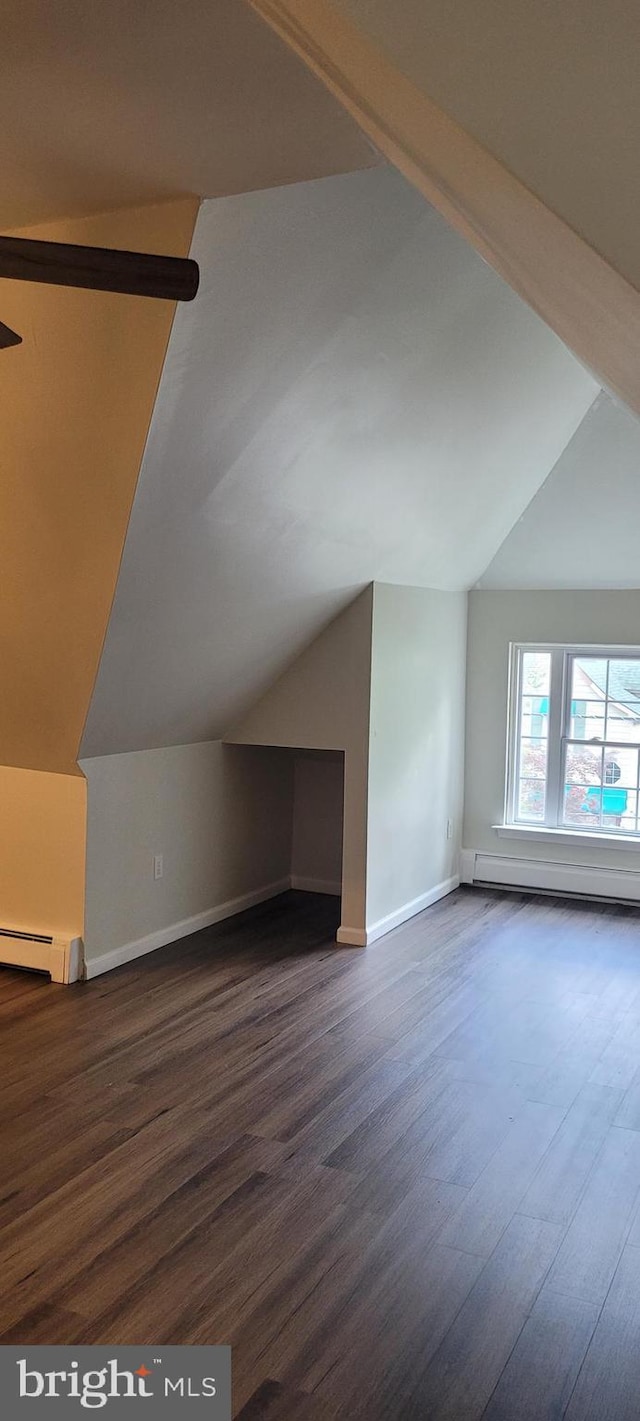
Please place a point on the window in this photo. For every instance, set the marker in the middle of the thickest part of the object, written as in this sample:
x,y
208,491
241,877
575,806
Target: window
x,y
574,739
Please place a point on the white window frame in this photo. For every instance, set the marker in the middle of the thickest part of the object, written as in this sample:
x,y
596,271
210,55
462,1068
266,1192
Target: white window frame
x,y
558,740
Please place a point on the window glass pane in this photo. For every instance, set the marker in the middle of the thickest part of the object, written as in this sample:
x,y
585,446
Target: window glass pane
x,y
533,759
627,819
533,729
623,721
535,673
588,678
605,686
587,720
624,680
619,783
531,798
600,787
583,765
582,806
535,716
583,786
620,766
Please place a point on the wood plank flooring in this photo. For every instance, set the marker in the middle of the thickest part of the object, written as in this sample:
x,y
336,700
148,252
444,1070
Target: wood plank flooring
x,y
402,1183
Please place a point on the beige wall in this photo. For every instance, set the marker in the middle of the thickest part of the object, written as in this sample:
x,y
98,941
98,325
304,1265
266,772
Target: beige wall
x,y
322,703
497,618
318,807
77,398
417,745
42,851
219,815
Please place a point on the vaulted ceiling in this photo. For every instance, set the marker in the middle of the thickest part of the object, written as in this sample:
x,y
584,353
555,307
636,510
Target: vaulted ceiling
x,y
354,395
114,103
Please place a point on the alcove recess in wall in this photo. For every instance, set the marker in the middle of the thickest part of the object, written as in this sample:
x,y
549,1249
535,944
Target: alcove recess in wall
x,y
318,801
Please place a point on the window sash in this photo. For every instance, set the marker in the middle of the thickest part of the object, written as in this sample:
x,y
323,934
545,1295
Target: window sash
x,y
559,738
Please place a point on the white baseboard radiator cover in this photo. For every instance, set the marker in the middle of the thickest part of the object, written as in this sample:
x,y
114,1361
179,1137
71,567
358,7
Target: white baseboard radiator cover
x,y
550,876
60,957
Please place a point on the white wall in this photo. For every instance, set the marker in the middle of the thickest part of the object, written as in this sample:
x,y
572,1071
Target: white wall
x,y
416,749
385,683
497,618
318,807
219,815
322,703
354,395
581,529
376,704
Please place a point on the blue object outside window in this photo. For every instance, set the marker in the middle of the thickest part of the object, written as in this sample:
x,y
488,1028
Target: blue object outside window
x,y
614,801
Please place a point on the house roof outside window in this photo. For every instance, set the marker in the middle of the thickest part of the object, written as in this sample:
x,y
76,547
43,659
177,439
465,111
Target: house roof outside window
x,y
624,680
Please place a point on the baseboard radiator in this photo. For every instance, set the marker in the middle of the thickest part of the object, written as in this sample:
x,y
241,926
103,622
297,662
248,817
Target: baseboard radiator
x,y
60,957
547,876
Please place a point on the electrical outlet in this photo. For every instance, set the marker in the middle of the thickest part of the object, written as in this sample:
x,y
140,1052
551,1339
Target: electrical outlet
x,y
449,828
158,865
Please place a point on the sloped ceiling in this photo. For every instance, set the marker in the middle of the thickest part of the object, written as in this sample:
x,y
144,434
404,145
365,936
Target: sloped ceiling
x,y
551,90
353,396
581,529
77,398
114,103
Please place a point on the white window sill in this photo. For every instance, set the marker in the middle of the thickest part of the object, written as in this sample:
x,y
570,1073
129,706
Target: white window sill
x,y
544,834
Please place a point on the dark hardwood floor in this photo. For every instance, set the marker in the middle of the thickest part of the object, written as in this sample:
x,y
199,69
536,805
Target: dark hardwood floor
x,y
402,1183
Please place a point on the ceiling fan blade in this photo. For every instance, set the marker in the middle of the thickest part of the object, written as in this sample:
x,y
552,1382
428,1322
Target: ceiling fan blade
x,y
99,268
8,337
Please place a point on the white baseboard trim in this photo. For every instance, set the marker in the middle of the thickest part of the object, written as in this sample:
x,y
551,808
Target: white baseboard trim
x,y
346,936
467,865
554,876
409,910
107,961
316,885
